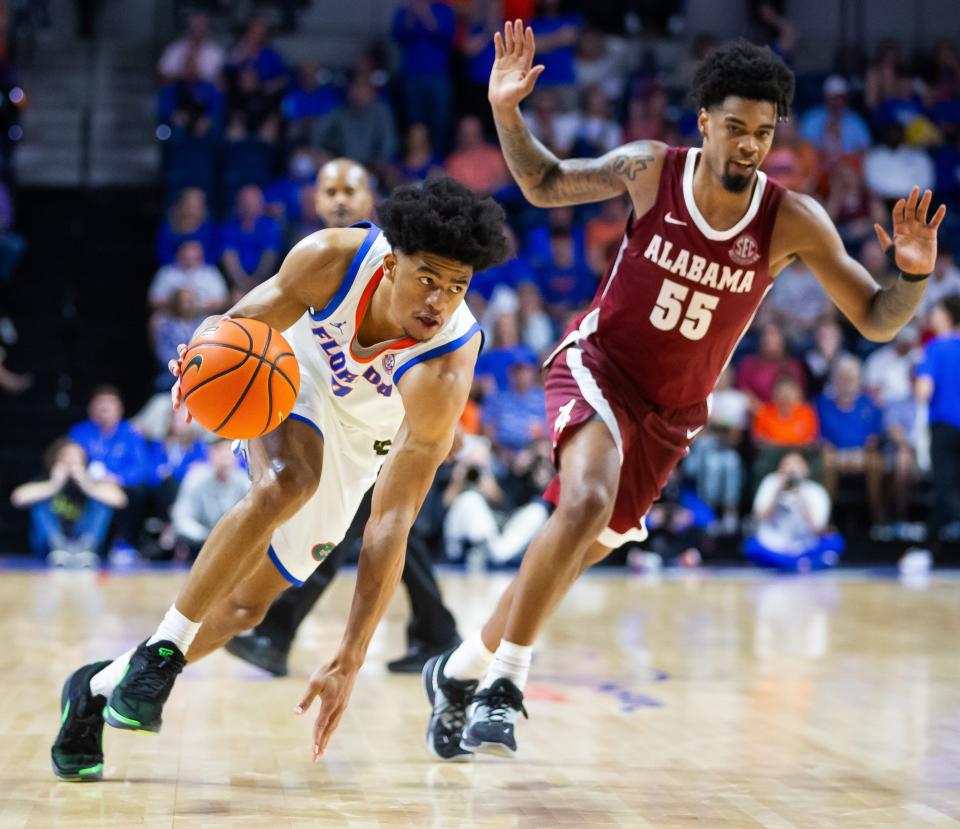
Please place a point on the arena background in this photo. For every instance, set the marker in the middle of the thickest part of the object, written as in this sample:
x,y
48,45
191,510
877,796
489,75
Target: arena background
x,y
92,169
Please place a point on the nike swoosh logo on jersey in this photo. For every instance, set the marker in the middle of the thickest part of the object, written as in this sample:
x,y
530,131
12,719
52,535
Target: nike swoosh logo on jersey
x,y
692,433
672,221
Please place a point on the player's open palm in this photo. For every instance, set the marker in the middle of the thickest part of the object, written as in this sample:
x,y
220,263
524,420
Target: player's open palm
x,y
513,75
914,237
331,685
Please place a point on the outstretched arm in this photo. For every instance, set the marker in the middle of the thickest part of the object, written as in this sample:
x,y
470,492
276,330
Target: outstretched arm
x,y
434,394
545,180
878,313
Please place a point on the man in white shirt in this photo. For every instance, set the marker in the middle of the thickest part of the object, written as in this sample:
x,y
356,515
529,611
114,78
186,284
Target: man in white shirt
x,y
209,55
893,165
792,514
191,272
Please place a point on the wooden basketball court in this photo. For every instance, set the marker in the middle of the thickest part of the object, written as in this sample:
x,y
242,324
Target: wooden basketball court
x,y
721,701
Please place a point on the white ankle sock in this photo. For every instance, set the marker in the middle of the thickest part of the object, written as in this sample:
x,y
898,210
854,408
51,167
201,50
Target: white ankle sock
x,y
176,628
511,662
103,682
470,660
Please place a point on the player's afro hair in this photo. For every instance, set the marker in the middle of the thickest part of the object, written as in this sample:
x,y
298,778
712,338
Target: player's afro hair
x,y
747,71
444,217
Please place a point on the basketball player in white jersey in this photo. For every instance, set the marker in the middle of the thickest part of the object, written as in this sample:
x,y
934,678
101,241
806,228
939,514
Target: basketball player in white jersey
x,y
386,348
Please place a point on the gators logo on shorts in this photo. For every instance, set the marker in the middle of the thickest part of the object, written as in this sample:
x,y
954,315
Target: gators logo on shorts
x,y
321,551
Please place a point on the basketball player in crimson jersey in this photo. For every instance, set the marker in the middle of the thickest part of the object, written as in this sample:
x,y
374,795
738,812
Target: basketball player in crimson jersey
x,y
626,388
386,348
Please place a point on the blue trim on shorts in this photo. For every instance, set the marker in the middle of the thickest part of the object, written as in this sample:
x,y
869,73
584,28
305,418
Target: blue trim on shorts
x,y
439,351
307,420
351,274
283,570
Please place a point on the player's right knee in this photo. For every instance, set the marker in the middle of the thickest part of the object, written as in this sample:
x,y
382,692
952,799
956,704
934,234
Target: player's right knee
x,y
282,494
587,507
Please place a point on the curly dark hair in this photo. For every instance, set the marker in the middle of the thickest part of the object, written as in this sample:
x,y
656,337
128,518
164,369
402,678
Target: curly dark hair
x,y
444,217
747,71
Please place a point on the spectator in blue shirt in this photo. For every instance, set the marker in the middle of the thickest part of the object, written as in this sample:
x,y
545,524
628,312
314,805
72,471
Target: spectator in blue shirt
x,y
515,418
424,32
117,452
188,222
566,284
833,128
251,241
310,97
938,383
191,106
556,35
171,457
851,426
283,195
494,364
253,51
485,20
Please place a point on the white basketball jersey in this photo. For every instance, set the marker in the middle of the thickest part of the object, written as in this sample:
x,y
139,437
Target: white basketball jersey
x,y
362,383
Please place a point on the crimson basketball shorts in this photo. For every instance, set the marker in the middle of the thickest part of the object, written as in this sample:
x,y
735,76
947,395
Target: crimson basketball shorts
x,y
651,439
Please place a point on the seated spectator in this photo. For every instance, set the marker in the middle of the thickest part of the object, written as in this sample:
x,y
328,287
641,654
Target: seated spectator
x,y
174,324
283,195
604,234
172,456
188,220
892,168
598,63
493,365
309,98
792,161
822,356
253,51
797,300
189,272
938,385
851,205
70,510
944,281
470,496
425,31
418,160
758,373
506,275
196,47
714,461
565,283
902,104
116,452
677,523
792,512
253,111
191,106
888,371
536,328
835,129
362,129
251,242
514,418
557,132
476,163
882,76
851,427
598,132
556,33
647,116
786,423
208,490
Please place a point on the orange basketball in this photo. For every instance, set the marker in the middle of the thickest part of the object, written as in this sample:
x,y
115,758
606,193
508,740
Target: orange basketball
x,y
239,378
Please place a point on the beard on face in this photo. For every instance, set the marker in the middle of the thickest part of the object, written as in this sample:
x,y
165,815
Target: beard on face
x,y
735,182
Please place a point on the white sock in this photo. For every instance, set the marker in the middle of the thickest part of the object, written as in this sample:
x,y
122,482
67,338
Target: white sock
x,y
103,682
511,662
176,628
470,660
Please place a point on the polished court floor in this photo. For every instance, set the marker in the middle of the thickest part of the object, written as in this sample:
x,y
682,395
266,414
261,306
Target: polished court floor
x,y
732,700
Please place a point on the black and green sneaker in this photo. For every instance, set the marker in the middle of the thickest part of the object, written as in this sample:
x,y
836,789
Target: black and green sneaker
x,y
77,753
136,704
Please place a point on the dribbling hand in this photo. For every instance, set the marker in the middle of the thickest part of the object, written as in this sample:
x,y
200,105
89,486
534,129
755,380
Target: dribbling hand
x,y
513,75
174,365
914,237
332,684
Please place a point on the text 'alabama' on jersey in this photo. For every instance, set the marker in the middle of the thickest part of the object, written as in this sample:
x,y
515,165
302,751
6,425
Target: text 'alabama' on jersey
x,y
349,395
679,294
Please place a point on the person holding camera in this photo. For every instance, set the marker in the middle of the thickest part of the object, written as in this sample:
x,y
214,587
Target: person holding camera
x,y
791,512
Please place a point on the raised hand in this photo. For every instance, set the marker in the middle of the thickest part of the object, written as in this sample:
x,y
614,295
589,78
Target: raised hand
x,y
915,238
513,75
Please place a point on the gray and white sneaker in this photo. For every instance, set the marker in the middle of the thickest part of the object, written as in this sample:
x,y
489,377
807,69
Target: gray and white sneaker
x,y
449,698
492,716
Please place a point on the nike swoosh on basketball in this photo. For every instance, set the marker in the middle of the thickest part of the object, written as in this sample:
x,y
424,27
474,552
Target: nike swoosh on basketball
x,y
692,433
196,361
671,221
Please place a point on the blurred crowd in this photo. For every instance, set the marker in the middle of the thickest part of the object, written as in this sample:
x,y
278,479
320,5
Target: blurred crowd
x,y
245,131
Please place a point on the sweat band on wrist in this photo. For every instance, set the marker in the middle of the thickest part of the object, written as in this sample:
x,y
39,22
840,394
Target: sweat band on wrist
x,y
891,254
